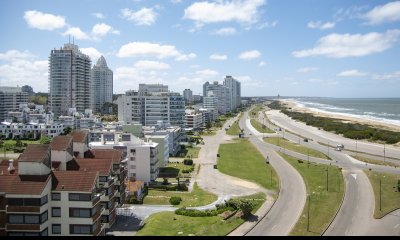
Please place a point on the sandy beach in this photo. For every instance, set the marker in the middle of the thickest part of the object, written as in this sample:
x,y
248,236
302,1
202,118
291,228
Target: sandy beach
x,y
378,124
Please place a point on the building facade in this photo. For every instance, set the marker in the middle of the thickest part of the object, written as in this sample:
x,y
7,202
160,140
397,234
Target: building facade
x,y
102,78
188,96
10,100
221,92
70,84
234,87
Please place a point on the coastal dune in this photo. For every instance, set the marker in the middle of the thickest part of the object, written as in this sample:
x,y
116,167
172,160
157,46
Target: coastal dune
x,y
373,123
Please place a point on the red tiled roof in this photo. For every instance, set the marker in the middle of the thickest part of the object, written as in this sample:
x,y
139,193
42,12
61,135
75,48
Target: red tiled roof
x,y
34,153
79,181
79,136
23,184
61,143
115,155
103,166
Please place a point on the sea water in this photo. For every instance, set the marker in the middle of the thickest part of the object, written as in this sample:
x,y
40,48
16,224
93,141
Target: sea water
x,y
378,109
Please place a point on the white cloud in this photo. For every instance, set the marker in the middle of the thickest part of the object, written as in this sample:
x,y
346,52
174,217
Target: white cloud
x,y
44,21
307,69
128,78
102,29
135,49
352,73
320,25
92,52
389,12
207,73
262,64
220,57
250,55
225,31
22,68
77,33
348,45
247,81
241,11
388,76
267,25
176,1
151,65
99,15
145,16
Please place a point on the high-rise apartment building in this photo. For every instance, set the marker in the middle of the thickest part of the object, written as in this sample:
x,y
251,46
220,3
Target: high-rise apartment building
x,y
221,92
102,78
188,96
10,100
70,83
150,105
234,91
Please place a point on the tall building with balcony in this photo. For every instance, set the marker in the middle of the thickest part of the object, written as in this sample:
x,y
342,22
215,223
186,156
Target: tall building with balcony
x,y
70,84
233,85
221,92
10,100
50,191
102,78
150,104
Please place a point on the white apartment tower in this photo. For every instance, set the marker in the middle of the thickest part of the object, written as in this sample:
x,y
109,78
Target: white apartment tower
x,y
188,95
70,83
10,99
221,92
102,78
234,91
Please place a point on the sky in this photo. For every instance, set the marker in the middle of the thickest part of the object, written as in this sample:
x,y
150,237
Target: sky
x,y
330,48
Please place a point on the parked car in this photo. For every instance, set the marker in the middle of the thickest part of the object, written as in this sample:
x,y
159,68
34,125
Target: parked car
x,y
338,149
305,139
340,146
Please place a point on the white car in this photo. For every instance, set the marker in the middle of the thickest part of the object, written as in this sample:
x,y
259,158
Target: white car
x,y
338,149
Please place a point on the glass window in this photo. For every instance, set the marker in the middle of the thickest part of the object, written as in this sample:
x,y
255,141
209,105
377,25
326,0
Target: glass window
x,y
56,212
56,228
94,211
80,212
16,219
79,197
32,234
44,217
56,196
45,232
43,200
103,179
80,229
16,234
32,219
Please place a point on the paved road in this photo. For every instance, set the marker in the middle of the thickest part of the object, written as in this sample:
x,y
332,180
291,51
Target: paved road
x,y
287,209
333,139
356,214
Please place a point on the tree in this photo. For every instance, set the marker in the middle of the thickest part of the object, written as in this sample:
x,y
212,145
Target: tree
x,y
246,207
66,131
45,139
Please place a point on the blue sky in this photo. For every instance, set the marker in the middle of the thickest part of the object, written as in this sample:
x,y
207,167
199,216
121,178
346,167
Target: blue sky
x,y
340,48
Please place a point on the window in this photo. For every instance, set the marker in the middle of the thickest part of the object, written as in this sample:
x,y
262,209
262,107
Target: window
x,y
32,219
79,212
133,150
56,196
43,217
80,229
56,228
16,219
94,211
43,200
103,179
56,212
45,232
79,197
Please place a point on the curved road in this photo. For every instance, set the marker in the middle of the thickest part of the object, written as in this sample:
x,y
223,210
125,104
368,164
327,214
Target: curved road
x,y
287,209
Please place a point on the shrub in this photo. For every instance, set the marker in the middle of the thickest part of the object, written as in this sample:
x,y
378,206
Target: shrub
x,y
188,162
175,200
182,187
196,213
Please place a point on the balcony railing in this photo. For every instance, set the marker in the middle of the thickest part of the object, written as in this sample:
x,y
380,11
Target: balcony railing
x,y
24,209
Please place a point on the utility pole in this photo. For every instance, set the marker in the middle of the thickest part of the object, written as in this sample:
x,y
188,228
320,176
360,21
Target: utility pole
x,y
308,213
327,179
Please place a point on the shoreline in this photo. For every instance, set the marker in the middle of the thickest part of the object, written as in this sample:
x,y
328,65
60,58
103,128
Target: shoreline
x,y
373,123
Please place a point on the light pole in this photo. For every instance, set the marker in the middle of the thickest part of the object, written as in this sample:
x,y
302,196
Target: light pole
x,y
308,213
327,179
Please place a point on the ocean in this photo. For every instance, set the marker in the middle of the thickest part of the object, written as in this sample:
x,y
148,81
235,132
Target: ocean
x,y
378,109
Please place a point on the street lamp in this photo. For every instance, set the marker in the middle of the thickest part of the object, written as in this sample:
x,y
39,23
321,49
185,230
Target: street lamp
x,y
327,179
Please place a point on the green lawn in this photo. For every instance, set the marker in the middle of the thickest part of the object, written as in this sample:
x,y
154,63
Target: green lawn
x,y
253,113
192,152
374,161
169,224
173,170
243,160
324,204
259,126
198,197
295,147
390,194
234,129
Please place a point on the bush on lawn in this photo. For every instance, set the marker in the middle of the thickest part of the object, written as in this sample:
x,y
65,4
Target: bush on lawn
x,y
175,200
188,162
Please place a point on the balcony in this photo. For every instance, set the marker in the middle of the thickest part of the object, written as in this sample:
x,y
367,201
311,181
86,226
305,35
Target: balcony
x,y
23,227
23,209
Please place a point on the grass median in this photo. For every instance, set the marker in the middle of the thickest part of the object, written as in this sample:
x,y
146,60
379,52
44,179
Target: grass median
x,y
170,224
234,129
324,201
295,147
259,126
386,188
243,160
